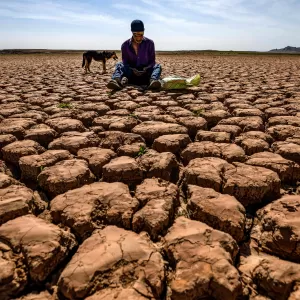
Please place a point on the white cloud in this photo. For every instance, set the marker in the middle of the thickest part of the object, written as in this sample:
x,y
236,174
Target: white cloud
x,y
66,12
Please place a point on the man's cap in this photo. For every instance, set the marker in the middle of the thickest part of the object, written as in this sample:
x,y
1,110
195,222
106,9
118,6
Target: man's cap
x,y
137,25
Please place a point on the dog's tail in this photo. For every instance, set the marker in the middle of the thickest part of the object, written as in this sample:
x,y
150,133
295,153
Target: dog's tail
x,y
83,60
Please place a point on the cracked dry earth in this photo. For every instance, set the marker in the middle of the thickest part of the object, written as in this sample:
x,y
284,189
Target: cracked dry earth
x,y
136,194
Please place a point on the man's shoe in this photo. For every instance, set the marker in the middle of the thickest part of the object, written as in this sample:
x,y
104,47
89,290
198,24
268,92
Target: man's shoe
x,y
124,81
114,85
154,85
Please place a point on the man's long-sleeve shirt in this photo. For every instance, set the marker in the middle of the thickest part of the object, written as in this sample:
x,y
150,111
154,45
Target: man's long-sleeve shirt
x,y
145,56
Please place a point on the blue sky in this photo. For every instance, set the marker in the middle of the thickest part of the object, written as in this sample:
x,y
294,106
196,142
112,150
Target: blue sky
x,y
173,24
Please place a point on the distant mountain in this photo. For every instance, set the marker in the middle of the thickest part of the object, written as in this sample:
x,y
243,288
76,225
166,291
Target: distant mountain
x,y
288,49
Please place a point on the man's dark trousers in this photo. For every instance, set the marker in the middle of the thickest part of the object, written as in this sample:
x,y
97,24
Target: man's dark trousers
x,y
125,71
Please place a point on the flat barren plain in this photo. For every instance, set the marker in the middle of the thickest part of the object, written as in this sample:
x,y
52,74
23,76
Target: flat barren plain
x,y
134,195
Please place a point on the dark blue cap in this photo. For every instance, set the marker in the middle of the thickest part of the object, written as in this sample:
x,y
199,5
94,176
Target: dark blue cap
x,y
137,25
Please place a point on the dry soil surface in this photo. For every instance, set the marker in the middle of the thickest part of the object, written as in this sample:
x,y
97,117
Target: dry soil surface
x,y
188,194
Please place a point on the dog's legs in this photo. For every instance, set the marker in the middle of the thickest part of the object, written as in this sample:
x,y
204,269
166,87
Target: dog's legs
x,y
85,64
89,60
104,66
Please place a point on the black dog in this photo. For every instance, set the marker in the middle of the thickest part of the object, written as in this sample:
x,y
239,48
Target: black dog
x,y
98,56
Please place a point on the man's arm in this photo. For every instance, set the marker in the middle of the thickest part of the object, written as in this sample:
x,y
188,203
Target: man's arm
x,y
125,56
151,55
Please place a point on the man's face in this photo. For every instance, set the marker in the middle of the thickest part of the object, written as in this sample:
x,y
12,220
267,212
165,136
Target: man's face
x,y
138,36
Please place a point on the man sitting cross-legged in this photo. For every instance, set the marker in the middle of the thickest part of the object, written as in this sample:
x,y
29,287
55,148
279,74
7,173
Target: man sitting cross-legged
x,y
138,65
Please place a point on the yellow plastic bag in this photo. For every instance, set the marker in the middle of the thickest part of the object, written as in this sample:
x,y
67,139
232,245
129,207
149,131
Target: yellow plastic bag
x,y
175,83
194,81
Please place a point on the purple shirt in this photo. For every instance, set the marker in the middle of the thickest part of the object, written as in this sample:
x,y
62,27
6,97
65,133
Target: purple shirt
x,y
145,57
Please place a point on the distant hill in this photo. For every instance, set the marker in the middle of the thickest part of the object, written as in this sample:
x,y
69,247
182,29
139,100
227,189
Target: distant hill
x,y
288,49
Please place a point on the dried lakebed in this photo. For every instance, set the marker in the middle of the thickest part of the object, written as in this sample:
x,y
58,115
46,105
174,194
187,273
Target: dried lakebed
x,y
138,195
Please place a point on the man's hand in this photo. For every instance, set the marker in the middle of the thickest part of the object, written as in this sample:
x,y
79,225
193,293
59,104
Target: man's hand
x,y
137,72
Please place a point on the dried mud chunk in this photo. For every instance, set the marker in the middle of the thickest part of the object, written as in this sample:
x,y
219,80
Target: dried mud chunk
x,y
193,124
221,212
275,111
232,152
252,146
206,172
16,126
65,175
128,261
130,105
115,139
251,185
32,165
73,141
287,150
277,228
202,259
150,130
246,123
149,111
121,123
200,149
284,120
118,112
100,108
96,158
96,129
160,165
179,112
173,143
15,201
123,169
4,169
64,114
163,118
6,139
42,244
132,150
36,115
248,112
159,199
9,110
294,139
233,130
6,180
229,152
62,124
282,132
85,208
267,275
37,296
118,294
14,151
13,276
287,170
87,117
41,133
240,106
254,135
216,137
213,117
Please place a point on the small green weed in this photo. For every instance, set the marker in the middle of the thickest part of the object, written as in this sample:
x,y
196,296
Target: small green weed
x,y
64,105
198,112
133,116
142,151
